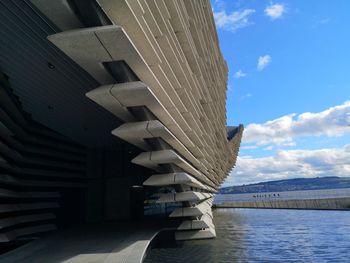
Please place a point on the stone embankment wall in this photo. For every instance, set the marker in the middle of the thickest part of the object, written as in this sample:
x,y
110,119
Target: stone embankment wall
x,y
329,203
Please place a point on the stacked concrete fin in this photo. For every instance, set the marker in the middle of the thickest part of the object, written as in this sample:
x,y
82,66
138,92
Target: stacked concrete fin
x,y
36,164
174,109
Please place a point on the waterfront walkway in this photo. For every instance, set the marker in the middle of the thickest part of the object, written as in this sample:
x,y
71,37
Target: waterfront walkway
x,y
107,243
334,199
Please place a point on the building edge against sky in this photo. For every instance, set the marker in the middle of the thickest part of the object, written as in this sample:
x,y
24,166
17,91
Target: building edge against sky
x,y
101,96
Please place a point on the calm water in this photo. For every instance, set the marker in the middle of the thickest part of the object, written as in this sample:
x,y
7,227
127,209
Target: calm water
x,y
266,235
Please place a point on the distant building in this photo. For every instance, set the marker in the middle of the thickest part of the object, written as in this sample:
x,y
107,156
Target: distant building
x,y
107,106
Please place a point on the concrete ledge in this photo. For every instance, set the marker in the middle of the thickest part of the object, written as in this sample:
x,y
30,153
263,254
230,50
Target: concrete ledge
x,y
136,132
197,210
11,221
108,243
195,234
103,97
204,222
20,232
4,208
153,159
187,196
13,194
173,179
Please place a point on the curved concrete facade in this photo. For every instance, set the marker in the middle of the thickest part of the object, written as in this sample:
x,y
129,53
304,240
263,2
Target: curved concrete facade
x,y
146,76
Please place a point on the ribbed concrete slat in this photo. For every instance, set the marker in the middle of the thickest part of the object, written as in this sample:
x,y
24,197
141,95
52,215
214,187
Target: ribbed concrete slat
x,y
126,52
21,133
134,94
4,208
173,179
187,196
195,234
11,180
172,47
19,158
29,152
20,232
15,194
136,132
203,222
10,221
33,171
38,150
193,211
153,159
53,97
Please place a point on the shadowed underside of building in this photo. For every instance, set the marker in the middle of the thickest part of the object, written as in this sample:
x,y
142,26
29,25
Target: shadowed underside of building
x,y
108,107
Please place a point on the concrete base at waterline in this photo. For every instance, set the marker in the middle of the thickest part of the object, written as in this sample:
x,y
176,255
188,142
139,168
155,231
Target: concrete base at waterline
x,y
108,242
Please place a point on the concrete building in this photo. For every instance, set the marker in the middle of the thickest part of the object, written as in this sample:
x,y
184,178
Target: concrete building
x,y
107,104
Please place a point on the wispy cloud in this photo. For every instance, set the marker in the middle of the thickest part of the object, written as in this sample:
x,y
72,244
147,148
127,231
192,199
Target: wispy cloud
x,y
233,21
246,96
248,147
320,22
324,20
268,148
263,62
275,11
291,164
331,122
239,74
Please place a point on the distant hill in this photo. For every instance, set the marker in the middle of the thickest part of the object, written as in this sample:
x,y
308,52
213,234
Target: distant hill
x,y
290,185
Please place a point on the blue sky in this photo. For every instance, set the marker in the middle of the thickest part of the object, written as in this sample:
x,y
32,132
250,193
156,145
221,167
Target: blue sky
x,y
289,76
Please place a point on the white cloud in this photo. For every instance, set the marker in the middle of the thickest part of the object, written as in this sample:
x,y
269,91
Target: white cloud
x,y
288,164
239,74
275,11
324,20
332,122
246,96
268,148
263,61
321,21
248,147
233,21
292,163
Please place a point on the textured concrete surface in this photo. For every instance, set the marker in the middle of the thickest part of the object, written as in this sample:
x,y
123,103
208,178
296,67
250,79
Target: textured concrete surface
x,y
174,100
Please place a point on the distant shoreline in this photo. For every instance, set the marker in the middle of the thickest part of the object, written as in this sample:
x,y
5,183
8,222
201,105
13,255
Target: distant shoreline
x,y
316,209
297,184
326,199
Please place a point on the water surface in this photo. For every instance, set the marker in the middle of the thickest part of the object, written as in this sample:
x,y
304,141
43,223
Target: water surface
x,y
266,235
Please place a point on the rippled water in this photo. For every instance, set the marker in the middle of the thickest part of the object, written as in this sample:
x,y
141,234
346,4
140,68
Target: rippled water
x,y
266,235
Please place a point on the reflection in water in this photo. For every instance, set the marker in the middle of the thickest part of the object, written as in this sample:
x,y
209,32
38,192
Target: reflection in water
x,y
266,235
